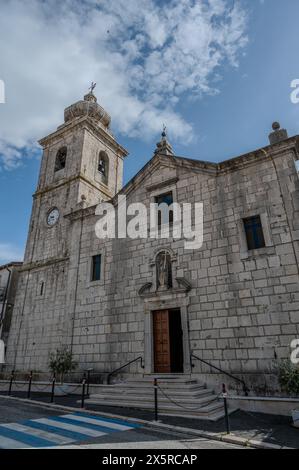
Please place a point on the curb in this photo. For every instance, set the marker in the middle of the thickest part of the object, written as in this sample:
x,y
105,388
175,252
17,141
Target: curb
x,y
230,439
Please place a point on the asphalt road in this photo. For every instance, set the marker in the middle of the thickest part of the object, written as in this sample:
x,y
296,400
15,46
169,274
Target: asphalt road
x,y
25,425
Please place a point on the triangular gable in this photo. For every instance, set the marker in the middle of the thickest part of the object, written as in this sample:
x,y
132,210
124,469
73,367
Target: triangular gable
x,y
165,161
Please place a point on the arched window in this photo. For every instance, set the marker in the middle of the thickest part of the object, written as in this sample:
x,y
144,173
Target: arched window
x,y
164,270
60,159
103,166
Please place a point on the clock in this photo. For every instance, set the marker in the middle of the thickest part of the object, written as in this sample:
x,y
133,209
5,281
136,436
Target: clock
x,y
52,217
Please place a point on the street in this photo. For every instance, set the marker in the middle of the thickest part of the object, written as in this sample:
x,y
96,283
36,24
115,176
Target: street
x,y
29,426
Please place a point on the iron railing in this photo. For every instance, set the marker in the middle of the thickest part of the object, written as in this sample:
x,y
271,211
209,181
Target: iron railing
x,y
245,389
139,358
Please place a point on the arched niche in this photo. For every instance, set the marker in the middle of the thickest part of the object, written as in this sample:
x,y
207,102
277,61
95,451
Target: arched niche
x,y
60,160
103,166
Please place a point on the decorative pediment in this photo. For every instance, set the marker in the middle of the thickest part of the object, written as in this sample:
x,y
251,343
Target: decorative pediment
x,y
145,289
184,283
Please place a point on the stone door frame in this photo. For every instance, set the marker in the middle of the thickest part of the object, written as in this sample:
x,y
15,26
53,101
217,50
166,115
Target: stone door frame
x,y
165,301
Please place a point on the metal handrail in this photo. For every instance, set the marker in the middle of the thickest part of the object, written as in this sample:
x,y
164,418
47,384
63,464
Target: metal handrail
x,y
139,358
245,389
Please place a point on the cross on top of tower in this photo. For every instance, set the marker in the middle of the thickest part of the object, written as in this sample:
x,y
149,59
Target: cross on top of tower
x,y
164,147
92,87
164,133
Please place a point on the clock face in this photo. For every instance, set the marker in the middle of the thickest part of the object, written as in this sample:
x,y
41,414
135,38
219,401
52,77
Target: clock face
x,y
53,217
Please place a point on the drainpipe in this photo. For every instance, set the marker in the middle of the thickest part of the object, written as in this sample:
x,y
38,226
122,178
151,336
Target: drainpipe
x,y
4,300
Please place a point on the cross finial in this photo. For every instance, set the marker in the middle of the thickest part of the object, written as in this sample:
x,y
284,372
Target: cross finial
x,y
164,131
92,87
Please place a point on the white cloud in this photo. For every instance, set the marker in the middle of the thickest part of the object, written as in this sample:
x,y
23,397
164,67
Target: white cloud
x,y
144,55
9,252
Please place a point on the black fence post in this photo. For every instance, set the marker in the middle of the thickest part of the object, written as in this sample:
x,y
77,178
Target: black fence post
x,y
224,395
156,398
88,380
29,385
53,388
83,392
12,376
245,390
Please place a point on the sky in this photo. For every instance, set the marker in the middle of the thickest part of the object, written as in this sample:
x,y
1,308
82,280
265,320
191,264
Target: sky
x,y
217,73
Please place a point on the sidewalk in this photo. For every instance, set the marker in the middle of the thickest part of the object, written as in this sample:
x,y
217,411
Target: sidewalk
x,y
259,429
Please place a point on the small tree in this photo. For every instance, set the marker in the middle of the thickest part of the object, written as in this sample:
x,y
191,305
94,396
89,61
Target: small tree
x,y
288,376
61,362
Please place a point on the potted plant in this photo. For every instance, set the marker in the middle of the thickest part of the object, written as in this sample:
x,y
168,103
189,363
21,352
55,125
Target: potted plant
x,y
61,362
288,376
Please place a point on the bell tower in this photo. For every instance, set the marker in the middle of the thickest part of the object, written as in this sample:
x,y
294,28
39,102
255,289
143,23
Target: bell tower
x,y
82,164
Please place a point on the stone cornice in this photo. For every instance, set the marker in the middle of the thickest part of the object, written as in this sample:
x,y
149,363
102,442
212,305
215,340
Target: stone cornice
x,y
12,264
80,213
80,177
85,123
242,161
171,294
162,184
258,155
42,263
146,293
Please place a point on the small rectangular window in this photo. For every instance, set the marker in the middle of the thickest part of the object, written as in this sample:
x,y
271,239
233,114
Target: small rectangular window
x,y
167,199
96,268
254,233
42,286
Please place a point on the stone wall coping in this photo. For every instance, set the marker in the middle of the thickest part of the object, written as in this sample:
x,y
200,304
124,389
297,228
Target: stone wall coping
x,y
235,163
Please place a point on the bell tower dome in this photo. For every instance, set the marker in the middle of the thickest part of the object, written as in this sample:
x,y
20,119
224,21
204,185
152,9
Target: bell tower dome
x,y
88,107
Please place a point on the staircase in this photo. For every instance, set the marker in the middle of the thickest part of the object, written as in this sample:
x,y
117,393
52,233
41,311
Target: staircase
x,y
177,396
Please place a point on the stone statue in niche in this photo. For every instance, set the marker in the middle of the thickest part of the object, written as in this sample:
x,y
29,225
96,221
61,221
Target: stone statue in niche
x,y
163,267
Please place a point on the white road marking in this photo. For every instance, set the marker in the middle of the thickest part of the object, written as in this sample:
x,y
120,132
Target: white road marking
x,y
99,422
7,443
71,427
39,433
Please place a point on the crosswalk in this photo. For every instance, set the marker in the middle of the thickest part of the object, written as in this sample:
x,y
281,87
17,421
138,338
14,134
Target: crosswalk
x,y
59,430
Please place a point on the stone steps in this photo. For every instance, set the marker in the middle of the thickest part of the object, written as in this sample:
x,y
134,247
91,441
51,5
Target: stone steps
x,y
212,411
133,399
161,378
166,384
177,396
163,407
145,392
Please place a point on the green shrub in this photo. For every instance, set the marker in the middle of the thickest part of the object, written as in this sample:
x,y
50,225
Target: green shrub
x,y
288,376
61,362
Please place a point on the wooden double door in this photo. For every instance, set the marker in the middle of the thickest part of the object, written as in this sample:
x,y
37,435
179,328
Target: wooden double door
x,y
168,341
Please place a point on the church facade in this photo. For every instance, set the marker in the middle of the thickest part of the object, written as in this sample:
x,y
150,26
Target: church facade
x,y
233,303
